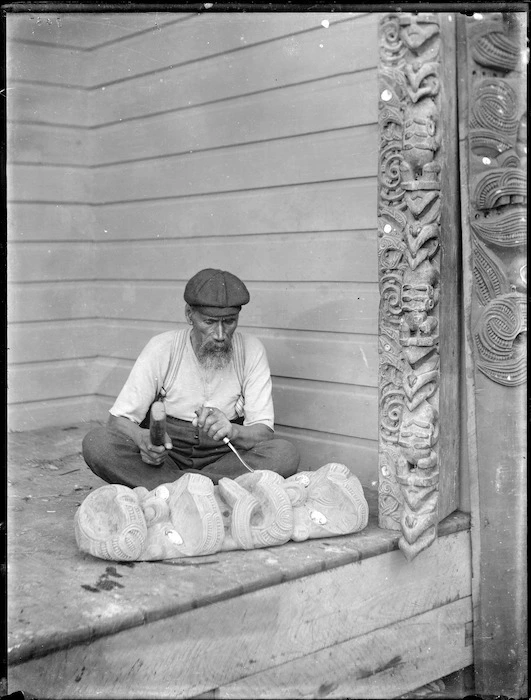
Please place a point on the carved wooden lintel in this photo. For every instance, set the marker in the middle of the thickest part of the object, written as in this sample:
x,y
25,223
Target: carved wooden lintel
x,y
412,181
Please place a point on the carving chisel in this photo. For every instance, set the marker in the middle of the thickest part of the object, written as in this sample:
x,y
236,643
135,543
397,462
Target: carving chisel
x,y
229,443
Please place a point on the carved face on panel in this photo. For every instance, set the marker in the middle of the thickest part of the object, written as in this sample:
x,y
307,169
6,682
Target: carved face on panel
x,y
110,524
416,29
419,291
418,432
332,503
260,510
183,519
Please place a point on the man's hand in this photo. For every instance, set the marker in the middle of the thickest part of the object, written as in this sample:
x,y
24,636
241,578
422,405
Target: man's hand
x,y
152,454
213,422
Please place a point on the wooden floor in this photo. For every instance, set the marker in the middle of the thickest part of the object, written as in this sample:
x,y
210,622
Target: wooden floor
x,y
339,617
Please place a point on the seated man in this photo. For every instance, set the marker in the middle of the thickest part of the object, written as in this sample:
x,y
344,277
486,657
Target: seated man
x,y
215,383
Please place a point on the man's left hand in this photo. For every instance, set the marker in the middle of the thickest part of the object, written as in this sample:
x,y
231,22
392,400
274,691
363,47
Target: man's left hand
x,y
213,422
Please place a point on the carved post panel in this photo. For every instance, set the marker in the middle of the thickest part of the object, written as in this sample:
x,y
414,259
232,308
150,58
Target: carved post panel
x,y
493,123
418,257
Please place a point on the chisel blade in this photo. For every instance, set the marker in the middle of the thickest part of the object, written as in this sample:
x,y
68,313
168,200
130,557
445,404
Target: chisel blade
x,y
229,443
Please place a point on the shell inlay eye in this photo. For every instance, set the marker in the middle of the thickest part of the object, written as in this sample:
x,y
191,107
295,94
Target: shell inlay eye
x,y
318,517
162,492
174,536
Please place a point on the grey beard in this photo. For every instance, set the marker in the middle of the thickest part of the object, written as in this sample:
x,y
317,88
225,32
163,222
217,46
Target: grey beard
x,y
212,358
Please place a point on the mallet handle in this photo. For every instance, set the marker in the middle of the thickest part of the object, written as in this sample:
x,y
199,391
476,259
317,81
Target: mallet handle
x,y
157,423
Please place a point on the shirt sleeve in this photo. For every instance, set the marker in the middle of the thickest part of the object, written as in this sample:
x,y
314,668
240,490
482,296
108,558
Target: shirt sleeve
x,y
257,385
145,379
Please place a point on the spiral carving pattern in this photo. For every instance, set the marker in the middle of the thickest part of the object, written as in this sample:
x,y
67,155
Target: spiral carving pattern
x,y
501,348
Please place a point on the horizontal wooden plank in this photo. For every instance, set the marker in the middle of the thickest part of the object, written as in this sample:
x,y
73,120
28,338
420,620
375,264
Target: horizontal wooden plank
x,y
348,308
85,30
47,64
48,302
346,47
48,183
31,221
333,357
327,206
52,262
349,256
54,340
125,339
55,412
177,43
349,153
208,35
49,104
329,357
45,381
319,448
304,159
218,644
334,408
382,664
44,144
335,103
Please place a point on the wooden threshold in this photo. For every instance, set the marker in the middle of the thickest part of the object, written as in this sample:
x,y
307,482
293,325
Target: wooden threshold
x,y
228,623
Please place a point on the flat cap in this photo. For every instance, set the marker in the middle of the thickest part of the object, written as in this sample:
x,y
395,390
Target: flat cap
x,y
220,293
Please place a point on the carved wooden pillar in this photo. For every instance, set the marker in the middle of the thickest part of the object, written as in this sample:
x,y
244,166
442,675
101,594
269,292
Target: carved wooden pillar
x,y
493,120
418,228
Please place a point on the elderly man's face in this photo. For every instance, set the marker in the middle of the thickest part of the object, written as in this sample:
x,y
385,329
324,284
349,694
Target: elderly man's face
x,y
212,338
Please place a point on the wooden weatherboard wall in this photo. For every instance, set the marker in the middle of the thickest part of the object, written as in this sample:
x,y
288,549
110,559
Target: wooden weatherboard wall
x,y
54,335
50,225
234,140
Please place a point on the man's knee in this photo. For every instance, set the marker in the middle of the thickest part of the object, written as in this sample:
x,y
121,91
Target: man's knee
x,y
287,457
93,448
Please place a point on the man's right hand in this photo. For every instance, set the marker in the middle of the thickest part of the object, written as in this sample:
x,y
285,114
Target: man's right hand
x,y
152,454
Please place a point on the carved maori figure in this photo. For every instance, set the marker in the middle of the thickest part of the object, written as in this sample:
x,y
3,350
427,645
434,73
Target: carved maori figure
x,y
498,198
193,517
420,139
419,296
409,252
417,29
418,474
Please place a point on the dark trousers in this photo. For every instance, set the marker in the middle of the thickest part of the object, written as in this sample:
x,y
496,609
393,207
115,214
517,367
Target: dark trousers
x,y
116,459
